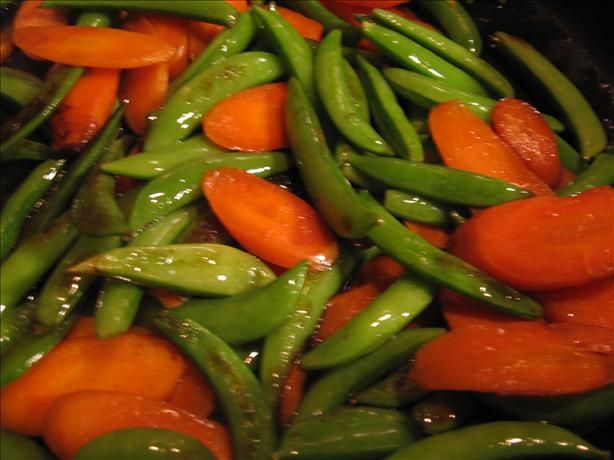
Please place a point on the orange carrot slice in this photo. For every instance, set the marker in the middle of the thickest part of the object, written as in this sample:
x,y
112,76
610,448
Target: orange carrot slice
x,y
93,47
78,418
196,44
6,43
168,299
251,120
467,142
381,270
292,393
588,338
30,14
567,176
305,26
193,393
435,235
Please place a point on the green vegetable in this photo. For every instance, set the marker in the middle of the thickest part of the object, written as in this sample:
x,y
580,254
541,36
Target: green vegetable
x,y
25,149
600,172
14,446
415,208
357,91
16,323
569,156
394,391
18,87
443,411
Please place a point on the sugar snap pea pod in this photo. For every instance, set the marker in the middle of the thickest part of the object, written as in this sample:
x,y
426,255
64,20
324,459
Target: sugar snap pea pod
x,y
449,50
252,315
283,345
562,93
350,433
30,350
394,391
420,257
331,390
427,92
23,200
185,108
418,117
569,156
415,208
332,193
18,87
144,444
342,151
359,97
32,259
249,353
443,411
202,269
118,301
76,173
26,149
389,116
181,185
337,98
239,392
15,324
387,315
599,172
438,182
501,440
14,446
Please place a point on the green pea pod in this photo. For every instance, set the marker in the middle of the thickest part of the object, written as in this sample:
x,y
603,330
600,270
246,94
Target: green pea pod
x,y
18,87
32,259
16,323
252,315
342,152
569,156
443,411
394,391
420,257
23,200
249,353
337,97
217,12
389,116
181,186
386,316
30,350
438,182
415,208
449,50
562,93
229,42
501,440
426,92
600,172
349,434
14,446
418,117
76,173
331,390
202,269
357,92
282,346
26,149
185,108
144,444
330,190
239,392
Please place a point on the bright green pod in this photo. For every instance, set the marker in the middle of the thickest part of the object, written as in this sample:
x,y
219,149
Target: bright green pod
x,y
251,315
600,172
562,93
386,316
415,208
239,392
357,433
26,149
18,87
186,107
14,446
569,156
394,391
443,411
342,152
501,440
181,185
357,91
204,269
16,323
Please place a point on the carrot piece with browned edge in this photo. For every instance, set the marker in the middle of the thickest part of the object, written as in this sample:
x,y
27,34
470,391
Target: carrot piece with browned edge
x,y
292,393
382,270
434,234
193,393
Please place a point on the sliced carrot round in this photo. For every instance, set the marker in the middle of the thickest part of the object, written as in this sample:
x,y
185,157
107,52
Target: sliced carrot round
x,y
382,270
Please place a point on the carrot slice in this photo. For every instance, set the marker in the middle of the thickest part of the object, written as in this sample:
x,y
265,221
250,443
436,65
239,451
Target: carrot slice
x,y
588,338
435,235
251,120
93,47
168,299
269,221
206,31
6,43
132,363
518,358
523,128
567,176
381,270
292,393
466,142
85,110
305,26
30,14
193,393
78,418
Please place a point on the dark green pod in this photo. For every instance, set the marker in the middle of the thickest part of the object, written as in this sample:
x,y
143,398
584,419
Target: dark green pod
x,y
16,323
394,391
569,156
443,411
26,149
415,208
357,91
600,172
14,446
18,87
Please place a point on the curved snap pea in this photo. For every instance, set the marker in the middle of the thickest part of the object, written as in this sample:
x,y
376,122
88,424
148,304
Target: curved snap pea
x,y
249,353
577,112
415,208
443,411
15,324
389,116
599,172
23,200
336,386
342,151
337,99
386,316
357,92
26,149
394,391
202,269
449,50
351,433
144,444
181,186
330,190
32,259
427,93
14,446
185,108
18,87
252,315
240,393
438,182
419,256
569,156
501,440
